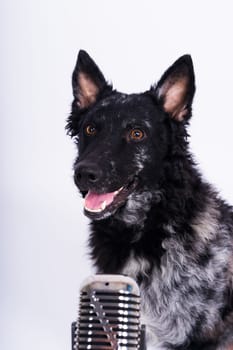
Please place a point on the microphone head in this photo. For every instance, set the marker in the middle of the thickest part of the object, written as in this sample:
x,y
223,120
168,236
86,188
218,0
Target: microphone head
x,y
109,314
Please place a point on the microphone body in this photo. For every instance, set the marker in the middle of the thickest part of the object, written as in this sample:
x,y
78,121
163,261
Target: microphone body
x,y
109,315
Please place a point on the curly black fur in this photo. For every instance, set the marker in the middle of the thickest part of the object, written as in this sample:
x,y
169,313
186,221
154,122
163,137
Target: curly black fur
x,y
171,231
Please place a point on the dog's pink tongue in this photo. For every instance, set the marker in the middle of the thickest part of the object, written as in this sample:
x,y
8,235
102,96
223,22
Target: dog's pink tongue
x,y
97,202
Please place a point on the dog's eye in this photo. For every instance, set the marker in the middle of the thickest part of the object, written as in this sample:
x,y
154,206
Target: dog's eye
x,y
136,135
90,130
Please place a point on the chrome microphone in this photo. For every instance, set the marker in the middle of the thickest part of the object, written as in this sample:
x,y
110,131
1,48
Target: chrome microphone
x,y
109,315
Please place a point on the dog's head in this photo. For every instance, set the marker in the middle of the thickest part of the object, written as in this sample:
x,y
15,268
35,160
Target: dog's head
x,y
123,140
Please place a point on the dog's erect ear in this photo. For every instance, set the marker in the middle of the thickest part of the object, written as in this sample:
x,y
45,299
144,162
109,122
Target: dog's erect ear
x,y
176,88
87,80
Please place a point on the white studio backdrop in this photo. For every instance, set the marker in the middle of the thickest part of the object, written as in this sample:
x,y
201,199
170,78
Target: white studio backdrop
x,y
43,250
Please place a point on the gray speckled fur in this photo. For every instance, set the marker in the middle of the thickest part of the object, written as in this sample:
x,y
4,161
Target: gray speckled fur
x,y
170,312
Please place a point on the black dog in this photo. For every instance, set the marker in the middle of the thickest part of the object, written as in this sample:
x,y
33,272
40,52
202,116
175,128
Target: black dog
x,y
153,216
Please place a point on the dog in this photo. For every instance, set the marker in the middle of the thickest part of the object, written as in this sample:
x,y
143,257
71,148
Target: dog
x,y
153,216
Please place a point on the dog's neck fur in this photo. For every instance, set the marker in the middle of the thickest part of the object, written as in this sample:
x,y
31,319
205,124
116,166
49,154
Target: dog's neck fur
x,y
131,227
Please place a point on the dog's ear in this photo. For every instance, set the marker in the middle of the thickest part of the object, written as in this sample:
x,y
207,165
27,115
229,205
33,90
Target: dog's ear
x,y
87,80
176,88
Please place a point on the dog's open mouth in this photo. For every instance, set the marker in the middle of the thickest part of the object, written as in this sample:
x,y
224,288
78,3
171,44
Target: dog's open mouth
x,y
98,206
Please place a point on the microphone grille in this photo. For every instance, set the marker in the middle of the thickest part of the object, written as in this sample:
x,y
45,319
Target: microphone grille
x,y
108,320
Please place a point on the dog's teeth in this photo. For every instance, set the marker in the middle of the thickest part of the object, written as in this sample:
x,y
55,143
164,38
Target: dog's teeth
x,y
103,205
93,210
118,191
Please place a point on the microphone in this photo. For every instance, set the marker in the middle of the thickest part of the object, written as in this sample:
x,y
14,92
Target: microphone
x,y
109,315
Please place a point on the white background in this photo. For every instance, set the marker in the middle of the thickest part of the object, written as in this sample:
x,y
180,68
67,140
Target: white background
x,y
43,232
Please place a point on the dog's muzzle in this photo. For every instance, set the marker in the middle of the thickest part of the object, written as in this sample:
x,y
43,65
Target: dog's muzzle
x,y
101,201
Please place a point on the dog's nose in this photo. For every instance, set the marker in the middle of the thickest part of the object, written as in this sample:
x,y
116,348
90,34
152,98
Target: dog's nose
x,y
87,174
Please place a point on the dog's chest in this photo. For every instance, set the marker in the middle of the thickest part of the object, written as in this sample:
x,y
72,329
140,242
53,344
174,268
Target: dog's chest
x,y
162,308
135,266
171,296
152,300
